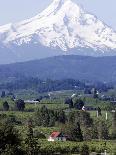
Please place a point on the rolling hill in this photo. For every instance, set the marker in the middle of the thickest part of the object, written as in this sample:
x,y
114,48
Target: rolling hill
x,y
64,67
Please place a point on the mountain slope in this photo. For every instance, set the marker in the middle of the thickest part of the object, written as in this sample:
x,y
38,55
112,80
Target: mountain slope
x,y
64,67
63,26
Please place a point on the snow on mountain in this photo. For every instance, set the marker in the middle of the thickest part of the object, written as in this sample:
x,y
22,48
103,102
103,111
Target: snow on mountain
x,y
63,25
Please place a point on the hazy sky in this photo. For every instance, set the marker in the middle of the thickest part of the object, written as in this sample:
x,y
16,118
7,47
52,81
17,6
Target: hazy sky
x,y
17,10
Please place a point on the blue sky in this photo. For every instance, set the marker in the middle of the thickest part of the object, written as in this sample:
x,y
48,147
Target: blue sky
x,y
17,10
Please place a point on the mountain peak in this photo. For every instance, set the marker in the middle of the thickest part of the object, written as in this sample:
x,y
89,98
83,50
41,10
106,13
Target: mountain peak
x,y
63,26
61,1
55,6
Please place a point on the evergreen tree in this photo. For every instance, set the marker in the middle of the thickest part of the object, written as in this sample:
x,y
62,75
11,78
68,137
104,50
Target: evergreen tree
x,y
52,119
38,118
85,119
102,129
78,132
32,147
45,116
71,117
61,116
5,106
79,104
114,125
10,142
71,104
73,131
94,131
69,101
20,105
46,120
99,111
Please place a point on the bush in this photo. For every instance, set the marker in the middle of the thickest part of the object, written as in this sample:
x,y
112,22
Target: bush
x,y
10,141
84,150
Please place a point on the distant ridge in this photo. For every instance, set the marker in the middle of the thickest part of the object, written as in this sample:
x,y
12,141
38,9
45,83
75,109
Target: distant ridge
x,y
64,67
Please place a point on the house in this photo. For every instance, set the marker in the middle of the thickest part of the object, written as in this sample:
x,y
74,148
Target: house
x,y
83,108
31,101
56,136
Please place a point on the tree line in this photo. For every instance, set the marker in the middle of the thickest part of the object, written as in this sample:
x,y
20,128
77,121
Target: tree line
x,y
53,85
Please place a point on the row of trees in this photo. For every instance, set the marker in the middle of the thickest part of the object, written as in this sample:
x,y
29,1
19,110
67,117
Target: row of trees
x,y
77,103
19,105
74,123
47,117
53,85
11,143
77,125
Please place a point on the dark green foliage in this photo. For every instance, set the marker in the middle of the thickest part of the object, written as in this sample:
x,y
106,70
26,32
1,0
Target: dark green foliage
x,y
91,129
39,135
99,111
84,120
10,141
32,147
43,117
20,105
71,117
73,131
99,130
12,119
114,125
102,129
5,106
78,132
47,118
69,101
52,118
61,116
82,117
84,150
78,104
87,133
94,131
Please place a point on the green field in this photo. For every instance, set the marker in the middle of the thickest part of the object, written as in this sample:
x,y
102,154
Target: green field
x,y
19,119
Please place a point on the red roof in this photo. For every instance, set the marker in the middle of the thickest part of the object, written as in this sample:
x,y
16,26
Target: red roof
x,y
55,134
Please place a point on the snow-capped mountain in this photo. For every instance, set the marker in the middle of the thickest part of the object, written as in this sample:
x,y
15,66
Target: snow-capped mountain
x,y
64,27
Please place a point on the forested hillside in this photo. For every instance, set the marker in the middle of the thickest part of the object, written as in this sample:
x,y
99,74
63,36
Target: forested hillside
x,y
63,67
